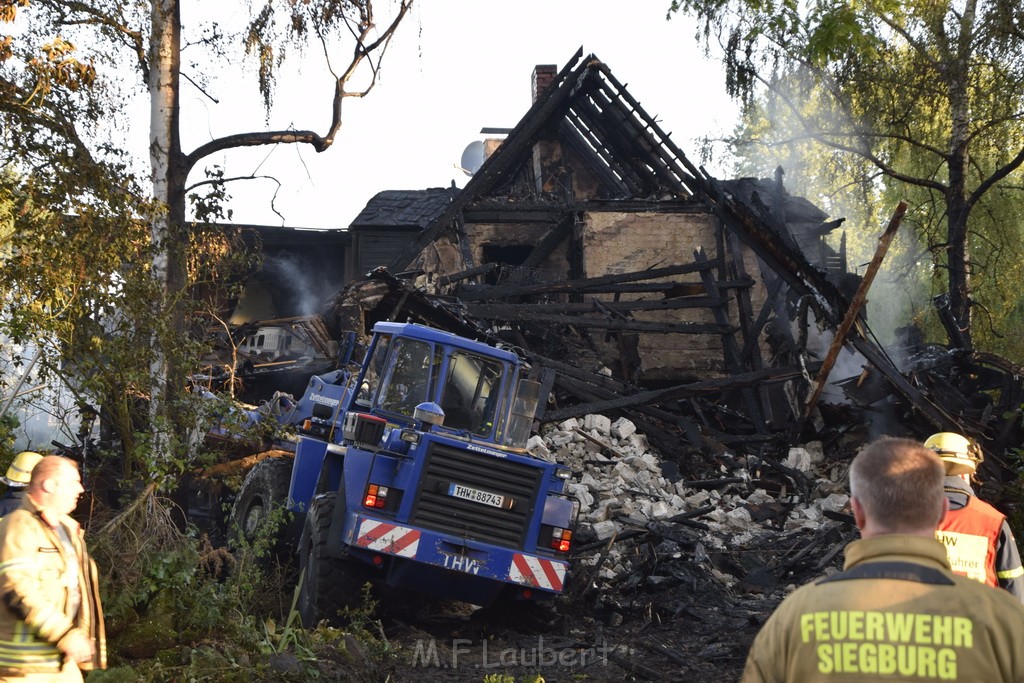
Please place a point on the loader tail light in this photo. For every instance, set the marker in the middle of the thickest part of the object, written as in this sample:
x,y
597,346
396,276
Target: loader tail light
x,y
561,540
376,496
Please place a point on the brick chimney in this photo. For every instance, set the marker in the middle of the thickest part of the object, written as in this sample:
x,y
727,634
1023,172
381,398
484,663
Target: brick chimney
x,y
543,74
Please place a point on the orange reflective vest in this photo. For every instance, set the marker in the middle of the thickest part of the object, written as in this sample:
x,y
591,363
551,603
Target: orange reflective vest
x,y
971,535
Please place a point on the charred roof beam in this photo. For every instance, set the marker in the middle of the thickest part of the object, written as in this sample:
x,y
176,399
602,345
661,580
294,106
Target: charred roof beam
x,y
524,311
615,143
633,133
585,127
580,143
676,162
482,292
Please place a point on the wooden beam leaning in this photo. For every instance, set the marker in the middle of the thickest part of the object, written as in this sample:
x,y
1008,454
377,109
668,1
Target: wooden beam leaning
x,y
468,273
859,299
730,348
550,242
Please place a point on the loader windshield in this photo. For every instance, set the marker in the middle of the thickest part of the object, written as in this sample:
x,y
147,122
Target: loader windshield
x,y
410,372
472,392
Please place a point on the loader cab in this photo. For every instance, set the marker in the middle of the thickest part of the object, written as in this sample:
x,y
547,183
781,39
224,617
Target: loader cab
x,y
478,387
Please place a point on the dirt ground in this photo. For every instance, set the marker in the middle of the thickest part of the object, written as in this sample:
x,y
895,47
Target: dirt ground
x,y
686,608
680,639
686,611
676,623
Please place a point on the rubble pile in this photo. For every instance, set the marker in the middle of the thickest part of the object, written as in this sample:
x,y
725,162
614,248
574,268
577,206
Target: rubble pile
x,y
631,498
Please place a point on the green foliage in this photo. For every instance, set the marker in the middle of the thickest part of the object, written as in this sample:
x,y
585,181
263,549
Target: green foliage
x,y
211,206
178,609
118,290
509,678
8,425
869,104
275,640
115,281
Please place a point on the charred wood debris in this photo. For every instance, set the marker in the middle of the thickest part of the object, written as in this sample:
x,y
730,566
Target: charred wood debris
x,y
714,496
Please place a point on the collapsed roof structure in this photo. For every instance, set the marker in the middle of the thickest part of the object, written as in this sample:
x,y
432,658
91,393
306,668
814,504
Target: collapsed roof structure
x,y
640,285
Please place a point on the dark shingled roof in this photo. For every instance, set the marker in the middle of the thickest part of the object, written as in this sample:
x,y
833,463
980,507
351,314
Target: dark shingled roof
x,y
404,208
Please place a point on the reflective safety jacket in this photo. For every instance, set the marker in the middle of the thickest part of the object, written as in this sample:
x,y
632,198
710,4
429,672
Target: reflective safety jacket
x,y
978,540
896,612
35,610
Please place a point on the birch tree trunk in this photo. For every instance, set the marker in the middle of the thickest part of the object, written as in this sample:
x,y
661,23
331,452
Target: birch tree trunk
x,y
958,207
168,226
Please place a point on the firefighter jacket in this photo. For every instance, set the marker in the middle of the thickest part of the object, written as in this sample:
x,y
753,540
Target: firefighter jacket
x,y
36,602
896,612
979,541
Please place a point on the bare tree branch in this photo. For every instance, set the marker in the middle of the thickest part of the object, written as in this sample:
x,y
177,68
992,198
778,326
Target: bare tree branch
x,y
998,175
362,51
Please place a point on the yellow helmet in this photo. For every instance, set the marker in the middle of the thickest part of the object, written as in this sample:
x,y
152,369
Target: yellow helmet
x,y
959,454
20,471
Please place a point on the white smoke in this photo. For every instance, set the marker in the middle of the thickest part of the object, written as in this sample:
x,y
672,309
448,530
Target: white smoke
x,y
308,288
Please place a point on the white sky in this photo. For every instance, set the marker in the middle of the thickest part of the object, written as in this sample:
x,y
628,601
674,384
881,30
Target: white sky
x,y
454,67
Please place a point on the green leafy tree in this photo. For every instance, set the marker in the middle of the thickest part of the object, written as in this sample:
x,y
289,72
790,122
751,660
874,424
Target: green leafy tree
x,y
55,93
849,186
926,96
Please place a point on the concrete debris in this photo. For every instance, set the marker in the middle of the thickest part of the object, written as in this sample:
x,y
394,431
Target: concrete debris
x,y
599,423
622,491
799,459
623,428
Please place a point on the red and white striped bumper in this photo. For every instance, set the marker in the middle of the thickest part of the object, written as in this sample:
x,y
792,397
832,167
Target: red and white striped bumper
x,y
529,570
429,547
388,538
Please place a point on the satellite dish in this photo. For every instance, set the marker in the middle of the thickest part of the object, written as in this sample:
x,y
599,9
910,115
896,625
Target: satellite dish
x,y
472,157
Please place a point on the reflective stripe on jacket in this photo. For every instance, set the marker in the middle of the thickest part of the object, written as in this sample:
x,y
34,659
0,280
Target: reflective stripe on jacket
x,y
34,595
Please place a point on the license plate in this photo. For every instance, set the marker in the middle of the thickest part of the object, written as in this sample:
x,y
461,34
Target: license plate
x,y
476,495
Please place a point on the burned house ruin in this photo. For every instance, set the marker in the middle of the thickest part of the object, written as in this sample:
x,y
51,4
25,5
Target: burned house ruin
x,y
640,285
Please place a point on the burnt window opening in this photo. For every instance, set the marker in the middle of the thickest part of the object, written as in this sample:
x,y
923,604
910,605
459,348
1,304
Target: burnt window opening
x,y
507,254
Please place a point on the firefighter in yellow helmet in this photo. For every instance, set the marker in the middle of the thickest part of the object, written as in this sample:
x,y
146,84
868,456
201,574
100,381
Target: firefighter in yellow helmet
x,y
17,478
976,535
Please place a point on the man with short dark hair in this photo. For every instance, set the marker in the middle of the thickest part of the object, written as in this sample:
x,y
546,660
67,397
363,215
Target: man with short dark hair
x,y
896,611
51,621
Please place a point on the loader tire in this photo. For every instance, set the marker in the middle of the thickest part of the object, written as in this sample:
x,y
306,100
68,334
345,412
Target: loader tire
x,y
328,584
264,490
